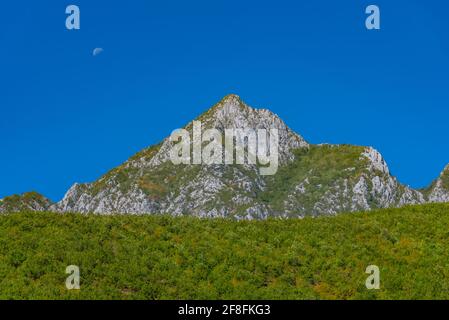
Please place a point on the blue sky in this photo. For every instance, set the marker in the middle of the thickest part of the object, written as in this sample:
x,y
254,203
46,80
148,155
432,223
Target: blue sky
x,y
67,116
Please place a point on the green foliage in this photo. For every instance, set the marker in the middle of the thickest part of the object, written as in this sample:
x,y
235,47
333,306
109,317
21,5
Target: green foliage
x,y
123,174
164,257
24,201
321,165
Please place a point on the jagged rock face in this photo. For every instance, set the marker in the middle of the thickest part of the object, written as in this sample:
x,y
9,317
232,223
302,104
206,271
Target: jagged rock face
x,y
30,201
311,180
439,191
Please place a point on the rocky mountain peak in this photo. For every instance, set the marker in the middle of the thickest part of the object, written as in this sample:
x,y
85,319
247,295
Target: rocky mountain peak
x,y
310,180
232,113
230,101
376,160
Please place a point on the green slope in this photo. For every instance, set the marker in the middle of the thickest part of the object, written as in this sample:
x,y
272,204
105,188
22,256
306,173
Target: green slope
x,y
160,257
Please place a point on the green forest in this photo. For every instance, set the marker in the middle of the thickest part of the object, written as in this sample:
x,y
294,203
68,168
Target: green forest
x,y
165,257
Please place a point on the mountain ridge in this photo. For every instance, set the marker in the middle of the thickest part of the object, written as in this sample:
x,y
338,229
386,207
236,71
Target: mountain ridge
x,y
312,179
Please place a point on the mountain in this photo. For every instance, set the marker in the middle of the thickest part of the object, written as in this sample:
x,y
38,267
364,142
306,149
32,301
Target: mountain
x,y
30,201
311,180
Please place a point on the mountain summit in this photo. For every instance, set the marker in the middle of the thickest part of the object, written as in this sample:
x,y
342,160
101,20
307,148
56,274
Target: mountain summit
x,y
311,180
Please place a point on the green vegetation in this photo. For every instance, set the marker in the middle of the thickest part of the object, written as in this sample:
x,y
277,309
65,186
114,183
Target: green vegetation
x,y
163,257
445,178
123,174
26,201
319,167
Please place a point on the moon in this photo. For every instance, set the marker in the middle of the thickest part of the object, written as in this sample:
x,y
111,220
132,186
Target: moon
x,y
97,51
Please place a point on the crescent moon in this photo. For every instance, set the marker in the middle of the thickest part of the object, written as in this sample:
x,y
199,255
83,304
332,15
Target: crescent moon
x,y
97,51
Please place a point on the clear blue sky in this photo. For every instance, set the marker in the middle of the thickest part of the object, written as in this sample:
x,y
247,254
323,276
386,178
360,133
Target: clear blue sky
x,y
67,116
